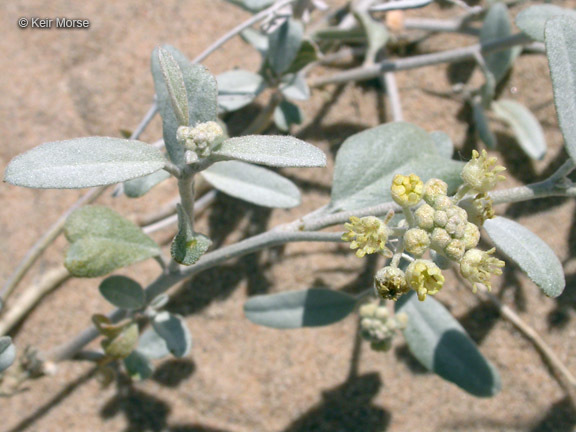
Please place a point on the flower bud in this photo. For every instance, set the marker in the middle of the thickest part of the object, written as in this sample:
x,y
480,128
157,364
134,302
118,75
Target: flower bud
x,y
407,190
390,283
424,217
478,266
433,189
368,235
416,241
455,250
442,203
478,208
481,173
439,239
368,310
440,218
424,277
471,236
202,138
457,220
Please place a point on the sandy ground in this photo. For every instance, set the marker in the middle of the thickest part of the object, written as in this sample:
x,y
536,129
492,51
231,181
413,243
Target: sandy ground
x,y
59,84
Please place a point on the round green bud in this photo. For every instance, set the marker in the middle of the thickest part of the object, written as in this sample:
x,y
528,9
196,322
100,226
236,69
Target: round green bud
x,y
416,241
455,250
424,216
433,189
440,239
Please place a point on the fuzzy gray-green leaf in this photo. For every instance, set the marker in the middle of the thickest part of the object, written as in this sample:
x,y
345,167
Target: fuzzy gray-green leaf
x,y
252,183
173,330
530,252
286,114
175,85
188,246
201,92
139,187
7,353
443,143
138,366
532,20
561,50
103,241
440,343
367,161
526,127
237,88
497,26
152,345
284,45
271,150
123,292
83,162
308,308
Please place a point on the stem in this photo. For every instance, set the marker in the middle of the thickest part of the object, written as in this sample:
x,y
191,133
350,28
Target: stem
x,y
450,56
264,118
186,190
239,28
393,96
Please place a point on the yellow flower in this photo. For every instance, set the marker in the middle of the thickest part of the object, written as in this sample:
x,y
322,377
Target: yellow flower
x,y
478,266
368,235
407,190
424,277
481,173
390,283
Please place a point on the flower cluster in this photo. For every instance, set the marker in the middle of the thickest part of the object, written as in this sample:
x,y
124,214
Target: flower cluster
x,y
447,226
378,327
201,139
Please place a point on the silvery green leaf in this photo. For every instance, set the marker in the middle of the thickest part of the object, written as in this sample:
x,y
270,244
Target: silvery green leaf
x,y
175,85
497,26
102,241
152,345
482,126
159,301
271,150
257,39
140,186
123,292
188,246
376,32
354,35
237,88
440,343
138,366
252,5
284,45
306,55
286,114
561,50
252,183
308,308
83,162
173,330
367,161
526,127
530,252
202,97
533,19
443,143
7,353
294,87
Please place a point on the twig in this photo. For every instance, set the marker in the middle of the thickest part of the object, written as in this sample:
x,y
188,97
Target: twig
x,y
399,5
449,56
393,96
238,29
30,298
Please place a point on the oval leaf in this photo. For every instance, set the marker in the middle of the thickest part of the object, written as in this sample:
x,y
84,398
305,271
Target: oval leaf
x,y
188,246
308,308
173,330
140,186
526,127
284,45
497,26
175,85
440,343
295,87
254,184
103,241
83,162
152,345
533,19
237,88
531,254
7,353
271,150
286,114
138,366
123,292
561,50
443,143
367,162
482,127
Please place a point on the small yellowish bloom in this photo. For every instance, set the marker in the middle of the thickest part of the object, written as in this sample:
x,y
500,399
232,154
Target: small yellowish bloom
x,y
433,189
424,277
478,208
390,283
368,235
416,241
479,266
407,190
481,173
